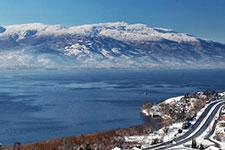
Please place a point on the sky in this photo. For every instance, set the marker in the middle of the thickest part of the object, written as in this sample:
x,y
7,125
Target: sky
x,y
202,18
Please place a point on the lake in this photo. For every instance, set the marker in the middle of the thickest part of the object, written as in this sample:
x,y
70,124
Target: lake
x,y
43,104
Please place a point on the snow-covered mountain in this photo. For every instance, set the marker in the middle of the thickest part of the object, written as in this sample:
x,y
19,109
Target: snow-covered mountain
x,y
106,45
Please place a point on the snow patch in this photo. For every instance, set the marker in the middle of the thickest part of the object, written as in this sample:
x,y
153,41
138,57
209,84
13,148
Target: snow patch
x,y
173,100
117,45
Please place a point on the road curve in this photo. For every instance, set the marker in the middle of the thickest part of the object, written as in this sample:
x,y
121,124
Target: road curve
x,y
187,136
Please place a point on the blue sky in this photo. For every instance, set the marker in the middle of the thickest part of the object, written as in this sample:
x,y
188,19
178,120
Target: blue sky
x,y
203,18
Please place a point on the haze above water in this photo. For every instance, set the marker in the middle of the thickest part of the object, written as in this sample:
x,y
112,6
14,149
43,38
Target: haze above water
x,y
38,105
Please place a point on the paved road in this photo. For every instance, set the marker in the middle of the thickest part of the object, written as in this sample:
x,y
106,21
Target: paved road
x,y
188,135
213,130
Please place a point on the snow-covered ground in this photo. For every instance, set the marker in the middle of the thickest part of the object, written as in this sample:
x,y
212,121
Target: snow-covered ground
x,y
147,140
173,99
105,45
134,148
172,131
155,110
219,132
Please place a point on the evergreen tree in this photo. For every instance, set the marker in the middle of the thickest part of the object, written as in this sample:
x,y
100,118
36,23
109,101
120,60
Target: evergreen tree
x,y
193,144
201,147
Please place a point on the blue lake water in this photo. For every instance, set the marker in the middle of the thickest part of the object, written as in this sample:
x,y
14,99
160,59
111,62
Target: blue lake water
x,y
39,105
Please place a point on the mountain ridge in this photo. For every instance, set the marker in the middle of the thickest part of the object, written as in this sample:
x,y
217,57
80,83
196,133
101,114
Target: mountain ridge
x,y
105,45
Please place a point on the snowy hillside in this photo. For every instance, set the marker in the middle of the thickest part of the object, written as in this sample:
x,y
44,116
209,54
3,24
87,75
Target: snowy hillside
x,y
108,45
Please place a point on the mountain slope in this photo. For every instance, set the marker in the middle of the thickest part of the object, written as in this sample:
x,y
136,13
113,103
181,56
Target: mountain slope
x,y
117,45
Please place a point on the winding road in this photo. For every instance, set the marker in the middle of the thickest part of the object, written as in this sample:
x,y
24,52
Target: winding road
x,y
196,130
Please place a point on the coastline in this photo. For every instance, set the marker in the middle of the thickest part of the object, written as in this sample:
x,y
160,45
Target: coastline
x,y
102,140
117,137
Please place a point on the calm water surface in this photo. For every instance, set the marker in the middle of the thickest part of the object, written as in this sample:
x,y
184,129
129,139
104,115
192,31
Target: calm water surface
x,y
38,105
